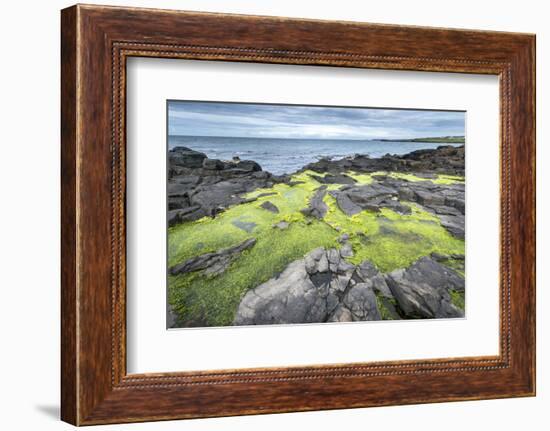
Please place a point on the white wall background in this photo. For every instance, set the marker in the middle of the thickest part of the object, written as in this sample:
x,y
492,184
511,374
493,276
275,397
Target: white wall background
x,y
29,215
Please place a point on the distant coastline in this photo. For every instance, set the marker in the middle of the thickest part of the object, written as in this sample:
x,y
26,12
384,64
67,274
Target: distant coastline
x,y
432,140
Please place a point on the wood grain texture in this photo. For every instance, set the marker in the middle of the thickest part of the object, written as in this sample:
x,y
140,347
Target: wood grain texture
x,y
96,41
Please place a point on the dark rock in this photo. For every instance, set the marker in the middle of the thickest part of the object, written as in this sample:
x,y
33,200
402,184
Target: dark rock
x,y
372,197
444,210
361,302
247,226
321,287
289,298
346,250
343,238
335,179
211,184
406,194
213,263
248,166
317,207
456,202
422,290
281,225
187,214
346,205
424,197
316,261
185,157
454,224
368,273
221,194
444,159
262,175
269,206
212,164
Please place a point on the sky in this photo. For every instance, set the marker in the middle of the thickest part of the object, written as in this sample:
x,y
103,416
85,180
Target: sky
x,y
308,122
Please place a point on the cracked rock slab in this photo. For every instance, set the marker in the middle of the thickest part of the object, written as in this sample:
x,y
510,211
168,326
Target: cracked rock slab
x,y
321,287
423,289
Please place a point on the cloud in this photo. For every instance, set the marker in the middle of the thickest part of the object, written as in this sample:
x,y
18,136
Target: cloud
x,y
313,122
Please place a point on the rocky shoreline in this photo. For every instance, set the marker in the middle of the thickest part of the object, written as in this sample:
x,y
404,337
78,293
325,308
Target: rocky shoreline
x,y
424,188
199,186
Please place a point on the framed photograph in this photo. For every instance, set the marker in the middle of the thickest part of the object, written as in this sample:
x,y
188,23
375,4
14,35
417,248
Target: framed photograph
x,y
264,215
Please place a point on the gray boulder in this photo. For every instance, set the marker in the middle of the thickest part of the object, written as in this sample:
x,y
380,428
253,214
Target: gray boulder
x,y
185,157
423,289
289,298
361,302
368,273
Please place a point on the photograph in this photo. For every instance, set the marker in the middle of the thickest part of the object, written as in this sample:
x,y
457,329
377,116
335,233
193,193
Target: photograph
x,y
293,214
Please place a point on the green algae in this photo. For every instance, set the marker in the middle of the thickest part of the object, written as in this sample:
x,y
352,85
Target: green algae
x,y
458,299
361,178
391,240
384,304
456,264
213,301
449,179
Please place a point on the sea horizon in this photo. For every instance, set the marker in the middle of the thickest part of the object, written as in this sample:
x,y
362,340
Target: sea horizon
x,y
287,155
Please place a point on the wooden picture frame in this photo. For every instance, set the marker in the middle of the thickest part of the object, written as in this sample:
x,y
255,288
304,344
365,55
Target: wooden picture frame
x,y
95,43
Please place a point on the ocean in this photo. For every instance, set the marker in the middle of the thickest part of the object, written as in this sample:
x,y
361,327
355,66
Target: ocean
x,y
285,156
